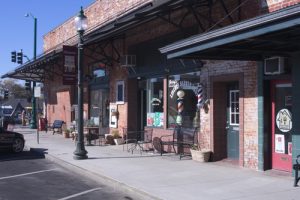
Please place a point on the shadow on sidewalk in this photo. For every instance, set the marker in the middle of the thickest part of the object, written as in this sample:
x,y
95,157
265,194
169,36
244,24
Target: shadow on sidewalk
x,y
6,155
170,157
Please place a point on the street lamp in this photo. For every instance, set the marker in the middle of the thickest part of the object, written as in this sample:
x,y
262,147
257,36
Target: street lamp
x,y
81,25
33,112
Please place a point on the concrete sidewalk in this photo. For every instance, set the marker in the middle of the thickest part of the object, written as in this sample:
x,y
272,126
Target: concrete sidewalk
x,y
151,176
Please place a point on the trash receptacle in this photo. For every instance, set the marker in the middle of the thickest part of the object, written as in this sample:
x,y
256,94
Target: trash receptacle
x,y
42,124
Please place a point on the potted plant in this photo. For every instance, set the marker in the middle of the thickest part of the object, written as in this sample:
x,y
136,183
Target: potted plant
x,y
117,138
198,154
66,133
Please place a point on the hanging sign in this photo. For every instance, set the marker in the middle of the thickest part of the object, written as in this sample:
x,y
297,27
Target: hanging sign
x,y
69,65
284,120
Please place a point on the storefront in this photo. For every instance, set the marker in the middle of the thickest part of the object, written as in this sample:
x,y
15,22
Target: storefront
x,y
214,81
277,129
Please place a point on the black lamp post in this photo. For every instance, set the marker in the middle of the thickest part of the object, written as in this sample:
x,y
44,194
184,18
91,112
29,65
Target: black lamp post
x,y
81,25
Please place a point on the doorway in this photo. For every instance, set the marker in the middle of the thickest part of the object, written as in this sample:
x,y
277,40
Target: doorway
x,y
99,109
281,97
233,124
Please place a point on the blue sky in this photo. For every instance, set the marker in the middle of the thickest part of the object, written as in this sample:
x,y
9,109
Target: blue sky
x,y
17,31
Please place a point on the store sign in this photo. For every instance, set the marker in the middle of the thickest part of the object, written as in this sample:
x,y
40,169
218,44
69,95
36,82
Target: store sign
x,y
284,120
185,85
69,61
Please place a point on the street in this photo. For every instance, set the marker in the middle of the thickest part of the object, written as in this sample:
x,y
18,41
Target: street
x,y
29,176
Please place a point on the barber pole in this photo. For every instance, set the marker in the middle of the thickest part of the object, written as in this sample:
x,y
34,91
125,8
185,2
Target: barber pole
x,y
200,96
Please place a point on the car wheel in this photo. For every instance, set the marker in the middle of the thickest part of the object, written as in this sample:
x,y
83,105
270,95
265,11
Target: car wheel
x,y
18,145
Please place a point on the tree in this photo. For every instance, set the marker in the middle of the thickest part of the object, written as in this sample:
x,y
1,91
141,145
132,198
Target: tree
x,y
16,89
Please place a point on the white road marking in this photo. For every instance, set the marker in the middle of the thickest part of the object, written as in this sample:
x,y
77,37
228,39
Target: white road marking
x,y
78,194
26,174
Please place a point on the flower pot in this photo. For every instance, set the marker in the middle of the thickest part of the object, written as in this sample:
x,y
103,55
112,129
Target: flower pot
x,y
119,141
200,155
66,134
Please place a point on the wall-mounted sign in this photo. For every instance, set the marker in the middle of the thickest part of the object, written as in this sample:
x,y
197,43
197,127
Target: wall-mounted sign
x,y
113,117
284,120
279,143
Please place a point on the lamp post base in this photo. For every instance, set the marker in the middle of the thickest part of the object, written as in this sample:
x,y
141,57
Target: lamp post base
x,y
80,153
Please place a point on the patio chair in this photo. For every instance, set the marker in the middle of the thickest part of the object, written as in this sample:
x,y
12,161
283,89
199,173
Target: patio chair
x,y
145,140
129,137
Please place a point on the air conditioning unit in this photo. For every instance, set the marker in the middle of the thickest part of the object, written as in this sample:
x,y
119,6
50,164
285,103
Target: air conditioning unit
x,y
128,61
274,65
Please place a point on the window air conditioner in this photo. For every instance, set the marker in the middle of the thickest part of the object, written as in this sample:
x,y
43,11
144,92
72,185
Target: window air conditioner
x,y
274,65
128,61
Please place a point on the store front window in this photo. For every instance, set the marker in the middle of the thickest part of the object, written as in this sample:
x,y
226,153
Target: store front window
x,y
182,99
155,113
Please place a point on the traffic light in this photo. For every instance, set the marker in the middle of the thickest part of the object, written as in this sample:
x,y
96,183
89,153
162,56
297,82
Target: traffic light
x,y
20,57
27,85
13,56
5,94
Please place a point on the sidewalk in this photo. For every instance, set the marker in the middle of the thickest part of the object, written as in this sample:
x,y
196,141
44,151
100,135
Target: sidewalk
x,y
154,177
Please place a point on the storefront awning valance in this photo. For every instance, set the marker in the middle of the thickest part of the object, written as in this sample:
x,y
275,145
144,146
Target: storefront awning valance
x,y
273,34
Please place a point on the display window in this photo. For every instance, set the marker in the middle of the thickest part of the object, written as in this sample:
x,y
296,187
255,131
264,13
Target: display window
x,y
182,99
155,110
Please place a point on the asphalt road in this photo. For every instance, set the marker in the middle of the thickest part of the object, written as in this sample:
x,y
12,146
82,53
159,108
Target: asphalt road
x,y
29,176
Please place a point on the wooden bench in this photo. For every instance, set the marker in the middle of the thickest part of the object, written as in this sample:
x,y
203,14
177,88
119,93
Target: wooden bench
x,y
182,138
56,126
296,167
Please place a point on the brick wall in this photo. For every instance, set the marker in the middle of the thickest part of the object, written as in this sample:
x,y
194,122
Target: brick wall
x,y
273,5
100,12
249,131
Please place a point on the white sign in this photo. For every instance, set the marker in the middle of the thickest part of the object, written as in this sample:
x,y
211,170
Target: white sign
x,y
113,115
279,143
37,92
284,120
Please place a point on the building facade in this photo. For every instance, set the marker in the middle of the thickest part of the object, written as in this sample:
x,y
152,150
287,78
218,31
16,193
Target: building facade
x,y
137,63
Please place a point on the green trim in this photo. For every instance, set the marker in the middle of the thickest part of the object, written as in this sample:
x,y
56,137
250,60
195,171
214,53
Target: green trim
x,y
260,115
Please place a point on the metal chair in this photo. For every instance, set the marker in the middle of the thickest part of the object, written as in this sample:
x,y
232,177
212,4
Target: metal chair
x,y
129,137
146,139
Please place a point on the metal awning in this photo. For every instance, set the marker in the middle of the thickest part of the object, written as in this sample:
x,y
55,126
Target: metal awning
x,y
273,34
37,70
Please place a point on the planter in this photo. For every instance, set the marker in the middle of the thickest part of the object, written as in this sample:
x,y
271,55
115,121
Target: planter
x,y
200,155
66,134
119,141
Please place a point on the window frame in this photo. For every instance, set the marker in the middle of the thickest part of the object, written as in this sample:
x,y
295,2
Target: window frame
x,y
120,83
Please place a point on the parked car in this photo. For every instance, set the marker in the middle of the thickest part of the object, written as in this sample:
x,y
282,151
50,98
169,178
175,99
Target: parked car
x,y
11,140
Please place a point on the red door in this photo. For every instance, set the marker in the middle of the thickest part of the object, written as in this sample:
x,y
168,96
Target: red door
x,y
282,126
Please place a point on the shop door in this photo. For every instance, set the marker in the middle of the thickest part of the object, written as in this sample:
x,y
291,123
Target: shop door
x,y
282,126
233,127
99,113
104,111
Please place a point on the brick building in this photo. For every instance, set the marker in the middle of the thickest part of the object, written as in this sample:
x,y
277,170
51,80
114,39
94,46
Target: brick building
x,y
184,46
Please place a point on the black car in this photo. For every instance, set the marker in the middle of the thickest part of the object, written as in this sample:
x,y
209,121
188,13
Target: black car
x,y
11,140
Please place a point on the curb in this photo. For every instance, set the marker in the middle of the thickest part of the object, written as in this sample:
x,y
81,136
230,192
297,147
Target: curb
x,y
115,184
